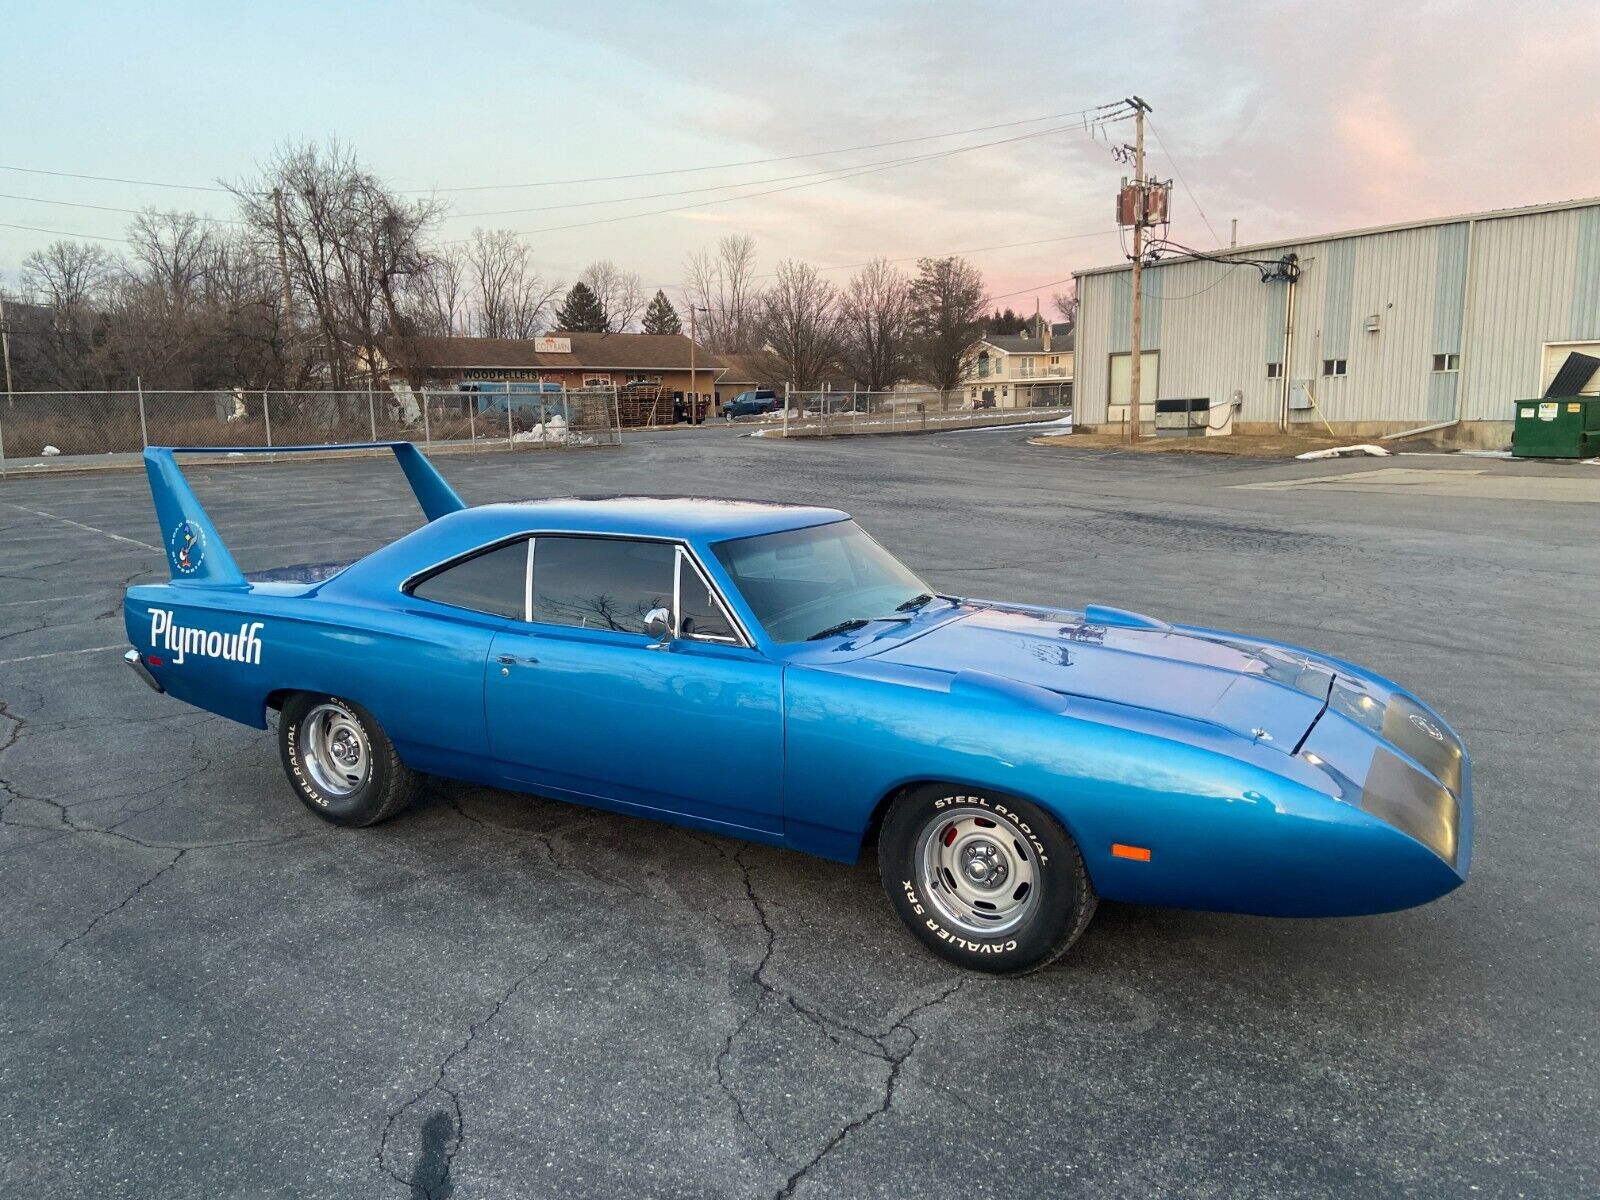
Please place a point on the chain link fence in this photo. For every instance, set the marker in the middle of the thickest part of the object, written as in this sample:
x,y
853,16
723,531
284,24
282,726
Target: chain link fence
x,y
831,414
42,426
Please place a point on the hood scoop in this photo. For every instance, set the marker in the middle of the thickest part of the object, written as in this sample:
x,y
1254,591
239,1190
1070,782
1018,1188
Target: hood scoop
x,y
1121,618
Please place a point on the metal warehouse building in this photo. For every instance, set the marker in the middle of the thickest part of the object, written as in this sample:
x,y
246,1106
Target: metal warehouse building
x,y
1429,323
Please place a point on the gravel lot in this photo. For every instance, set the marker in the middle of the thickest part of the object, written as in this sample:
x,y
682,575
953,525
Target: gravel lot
x,y
204,991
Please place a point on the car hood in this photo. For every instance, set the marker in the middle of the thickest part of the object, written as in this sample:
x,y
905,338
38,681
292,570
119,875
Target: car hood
x,y
1256,689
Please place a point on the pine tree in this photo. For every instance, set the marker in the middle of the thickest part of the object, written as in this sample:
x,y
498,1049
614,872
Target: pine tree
x,y
581,312
661,317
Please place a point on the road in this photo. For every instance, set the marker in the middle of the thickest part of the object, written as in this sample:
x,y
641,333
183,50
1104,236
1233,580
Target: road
x,y
205,992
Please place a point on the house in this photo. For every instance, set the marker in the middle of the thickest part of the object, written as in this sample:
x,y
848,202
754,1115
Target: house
x,y
1440,324
747,372
1032,369
671,362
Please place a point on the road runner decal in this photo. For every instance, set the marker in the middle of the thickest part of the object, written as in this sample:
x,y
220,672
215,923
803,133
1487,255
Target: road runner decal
x,y
181,640
187,548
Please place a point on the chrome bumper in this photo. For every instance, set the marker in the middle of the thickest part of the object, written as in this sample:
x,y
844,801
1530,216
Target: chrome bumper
x,y
133,660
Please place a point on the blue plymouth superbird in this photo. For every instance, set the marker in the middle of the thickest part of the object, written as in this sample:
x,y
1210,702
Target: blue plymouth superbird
x,y
769,671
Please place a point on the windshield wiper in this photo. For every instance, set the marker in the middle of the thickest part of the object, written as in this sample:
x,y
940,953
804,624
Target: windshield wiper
x,y
914,602
841,627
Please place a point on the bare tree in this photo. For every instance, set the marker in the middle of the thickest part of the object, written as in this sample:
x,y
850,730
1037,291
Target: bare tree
x,y
160,321
723,286
510,297
440,300
71,280
353,247
875,326
1066,304
800,322
947,304
618,291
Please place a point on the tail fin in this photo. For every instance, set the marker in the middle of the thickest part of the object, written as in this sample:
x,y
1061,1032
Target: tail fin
x,y
196,554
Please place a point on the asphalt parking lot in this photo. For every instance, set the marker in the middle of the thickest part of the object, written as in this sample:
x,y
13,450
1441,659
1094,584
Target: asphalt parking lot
x,y
204,991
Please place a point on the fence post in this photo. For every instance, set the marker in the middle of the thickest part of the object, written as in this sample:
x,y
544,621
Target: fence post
x,y
472,418
786,410
511,439
143,435
2,450
372,411
427,431
266,414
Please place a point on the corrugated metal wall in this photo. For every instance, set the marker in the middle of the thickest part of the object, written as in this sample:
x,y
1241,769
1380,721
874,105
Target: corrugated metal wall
x,y
1493,290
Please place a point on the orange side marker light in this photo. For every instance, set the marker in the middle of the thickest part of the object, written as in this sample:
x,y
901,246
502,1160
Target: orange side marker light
x,y
1137,853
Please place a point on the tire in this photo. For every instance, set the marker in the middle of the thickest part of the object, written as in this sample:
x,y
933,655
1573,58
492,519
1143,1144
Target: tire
x,y
340,762
984,880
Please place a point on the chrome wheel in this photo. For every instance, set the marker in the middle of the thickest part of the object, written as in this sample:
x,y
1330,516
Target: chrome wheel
x,y
334,749
978,871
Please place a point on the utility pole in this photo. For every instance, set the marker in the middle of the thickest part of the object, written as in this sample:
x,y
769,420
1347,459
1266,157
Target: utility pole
x,y
1135,407
283,264
694,386
5,348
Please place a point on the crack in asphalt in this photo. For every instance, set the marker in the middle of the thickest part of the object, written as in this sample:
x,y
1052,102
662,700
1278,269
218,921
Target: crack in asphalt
x,y
880,1046
90,927
438,1189
896,1060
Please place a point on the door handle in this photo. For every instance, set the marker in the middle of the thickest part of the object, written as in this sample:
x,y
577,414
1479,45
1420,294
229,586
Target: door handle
x,y
506,660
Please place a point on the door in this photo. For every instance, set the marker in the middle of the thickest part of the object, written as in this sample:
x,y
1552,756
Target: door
x,y
1121,385
582,701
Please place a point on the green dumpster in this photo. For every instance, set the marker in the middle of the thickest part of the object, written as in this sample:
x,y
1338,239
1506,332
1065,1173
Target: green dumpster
x,y
1557,427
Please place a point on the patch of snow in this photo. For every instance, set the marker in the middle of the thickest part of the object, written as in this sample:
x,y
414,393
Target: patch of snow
x,y
51,451
553,431
1345,452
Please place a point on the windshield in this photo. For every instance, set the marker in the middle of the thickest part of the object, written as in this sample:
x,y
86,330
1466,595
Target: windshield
x,y
802,583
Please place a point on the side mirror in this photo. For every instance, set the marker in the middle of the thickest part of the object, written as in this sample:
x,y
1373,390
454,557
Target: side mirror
x,y
658,624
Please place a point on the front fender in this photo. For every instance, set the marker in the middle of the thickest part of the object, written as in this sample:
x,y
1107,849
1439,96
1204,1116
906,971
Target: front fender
x,y
1230,825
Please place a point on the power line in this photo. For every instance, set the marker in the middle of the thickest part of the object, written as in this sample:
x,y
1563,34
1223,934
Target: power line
x,y
111,208
756,162
1162,143
751,162
1068,237
93,237
186,187
719,187
848,173
1038,287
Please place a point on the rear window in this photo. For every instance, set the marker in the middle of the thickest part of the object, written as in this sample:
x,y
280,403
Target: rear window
x,y
494,582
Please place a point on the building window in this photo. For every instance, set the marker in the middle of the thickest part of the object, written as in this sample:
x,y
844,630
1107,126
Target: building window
x,y
1027,367
1447,362
1335,366
597,381
1274,370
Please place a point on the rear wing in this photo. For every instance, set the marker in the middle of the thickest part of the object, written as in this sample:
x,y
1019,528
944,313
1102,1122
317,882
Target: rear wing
x,y
197,555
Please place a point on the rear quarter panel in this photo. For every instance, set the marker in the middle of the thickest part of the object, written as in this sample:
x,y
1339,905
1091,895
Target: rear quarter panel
x,y
421,676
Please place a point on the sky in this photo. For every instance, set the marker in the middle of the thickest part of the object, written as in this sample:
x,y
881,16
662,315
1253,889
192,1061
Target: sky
x,y
1292,118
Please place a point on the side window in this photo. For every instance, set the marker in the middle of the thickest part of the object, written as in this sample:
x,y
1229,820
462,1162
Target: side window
x,y
702,616
600,583
494,582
